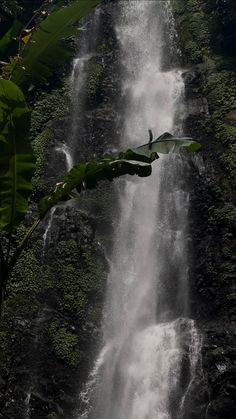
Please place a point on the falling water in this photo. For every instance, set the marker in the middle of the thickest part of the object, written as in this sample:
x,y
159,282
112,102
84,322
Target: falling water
x,y
27,405
147,331
77,84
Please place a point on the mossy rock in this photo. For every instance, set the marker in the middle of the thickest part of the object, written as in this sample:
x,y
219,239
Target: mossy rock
x,y
49,106
94,75
65,344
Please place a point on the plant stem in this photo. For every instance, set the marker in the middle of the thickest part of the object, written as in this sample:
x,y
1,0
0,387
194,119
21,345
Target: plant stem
x,y
22,245
21,48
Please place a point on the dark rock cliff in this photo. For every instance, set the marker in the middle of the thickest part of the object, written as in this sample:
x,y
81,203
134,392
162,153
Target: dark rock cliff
x,y
206,32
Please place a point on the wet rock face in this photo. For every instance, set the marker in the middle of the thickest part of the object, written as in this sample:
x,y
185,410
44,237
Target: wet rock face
x,y
219,361
56,330
212,394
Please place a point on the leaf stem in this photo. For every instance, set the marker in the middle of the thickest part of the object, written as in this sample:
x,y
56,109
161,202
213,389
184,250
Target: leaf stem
x,y
22,246
21,49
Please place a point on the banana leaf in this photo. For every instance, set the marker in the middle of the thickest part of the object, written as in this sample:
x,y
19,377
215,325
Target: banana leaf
x,y
165,144
8,43
48,47
16,156
87,175
135,161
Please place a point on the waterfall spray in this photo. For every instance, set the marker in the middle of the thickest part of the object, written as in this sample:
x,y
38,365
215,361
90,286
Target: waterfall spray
x,y
138,372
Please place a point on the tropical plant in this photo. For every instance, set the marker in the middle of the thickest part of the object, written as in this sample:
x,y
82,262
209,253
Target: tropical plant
x,y
38,55
82,176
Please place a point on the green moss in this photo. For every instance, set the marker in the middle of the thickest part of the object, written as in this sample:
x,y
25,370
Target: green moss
x,y
225,216
193,30
198,29
228,161
52,415
229,270
76,301
79,277
4,354
25,274
193,52
92,275
220,91
69,251
50,106
40,146
65,344
94,74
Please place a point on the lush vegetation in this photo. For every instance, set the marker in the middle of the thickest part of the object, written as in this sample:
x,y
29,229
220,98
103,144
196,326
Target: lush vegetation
x,y
41,49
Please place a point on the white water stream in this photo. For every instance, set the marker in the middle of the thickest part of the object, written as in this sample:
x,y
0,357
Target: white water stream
x,y
146,327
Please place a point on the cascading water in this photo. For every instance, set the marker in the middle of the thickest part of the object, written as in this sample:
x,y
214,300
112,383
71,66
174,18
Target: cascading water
x,y
138,374
77,84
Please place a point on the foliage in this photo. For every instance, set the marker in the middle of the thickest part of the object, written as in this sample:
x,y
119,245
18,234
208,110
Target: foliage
x,y
8,43
90,273
135,161
9,8
215,80
40,146
48,48
49,105
222,19
43,50
65,344
94,71
16,157
225,215
35,61
194,32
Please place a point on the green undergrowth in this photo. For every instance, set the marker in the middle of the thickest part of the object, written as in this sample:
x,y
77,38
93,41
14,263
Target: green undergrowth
x,y
49,106
78,276
65,344
193,30
41,144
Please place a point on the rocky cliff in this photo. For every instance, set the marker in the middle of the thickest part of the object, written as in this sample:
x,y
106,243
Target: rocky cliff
x,y
206,32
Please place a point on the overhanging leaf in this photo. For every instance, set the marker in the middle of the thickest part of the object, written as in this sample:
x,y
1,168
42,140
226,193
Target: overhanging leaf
x,y
87,176
135,161
16,156
8,43
166,144
48,48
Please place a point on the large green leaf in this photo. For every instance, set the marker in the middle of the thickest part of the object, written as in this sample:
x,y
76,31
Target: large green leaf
x,y
87,176
135,161
8,43
48,48
16,156
166,144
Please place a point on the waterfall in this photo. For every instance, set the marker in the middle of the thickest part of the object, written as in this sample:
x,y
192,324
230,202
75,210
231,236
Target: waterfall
x,y
147,329
77,83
